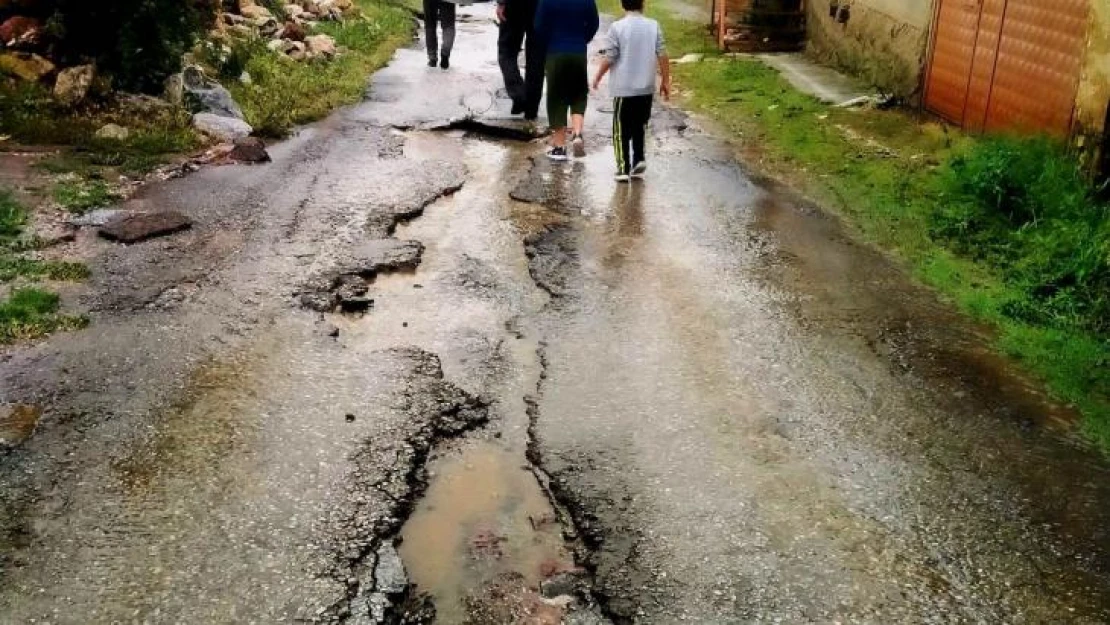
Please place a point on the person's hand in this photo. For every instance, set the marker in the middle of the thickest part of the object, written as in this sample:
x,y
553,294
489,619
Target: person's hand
x,y
665,91
500,13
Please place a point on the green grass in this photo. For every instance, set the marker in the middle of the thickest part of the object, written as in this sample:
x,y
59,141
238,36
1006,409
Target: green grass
x,y
80,195
30,313
921,191
29,115
285,93
12,216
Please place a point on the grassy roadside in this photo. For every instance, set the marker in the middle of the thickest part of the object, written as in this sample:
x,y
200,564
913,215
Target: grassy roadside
x,y
81,174
285,93
948,205
29,311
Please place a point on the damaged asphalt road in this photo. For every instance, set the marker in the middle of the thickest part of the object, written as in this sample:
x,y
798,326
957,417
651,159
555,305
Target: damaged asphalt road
x,y
407,372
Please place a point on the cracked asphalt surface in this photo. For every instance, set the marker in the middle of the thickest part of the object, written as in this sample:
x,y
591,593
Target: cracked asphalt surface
x,y
738,414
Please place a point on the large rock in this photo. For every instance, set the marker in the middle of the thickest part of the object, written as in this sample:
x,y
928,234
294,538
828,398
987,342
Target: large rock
x,y
249,150
220,127
29,67
294,11
320,45
137,227
204,95
21,33
73,84
294,31
255,12
113,131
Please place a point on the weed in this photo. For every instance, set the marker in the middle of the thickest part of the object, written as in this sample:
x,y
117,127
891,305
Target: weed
x,y
79,195
31,313
12,216
12,267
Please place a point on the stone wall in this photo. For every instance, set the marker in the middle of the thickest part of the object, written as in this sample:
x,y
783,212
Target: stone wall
x,y
882,41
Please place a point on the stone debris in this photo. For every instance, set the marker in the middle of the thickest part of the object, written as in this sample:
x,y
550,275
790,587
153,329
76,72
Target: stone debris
x,y
249,150
113,131
17,423
222,128
73,84
26,65
135,227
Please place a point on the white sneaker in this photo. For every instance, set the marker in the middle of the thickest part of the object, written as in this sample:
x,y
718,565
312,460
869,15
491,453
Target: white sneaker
x,y
639,170
622,178
579,146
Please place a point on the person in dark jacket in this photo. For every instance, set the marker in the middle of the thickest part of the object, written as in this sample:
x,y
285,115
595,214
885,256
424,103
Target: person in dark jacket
x,y
516,19
442,13
566,27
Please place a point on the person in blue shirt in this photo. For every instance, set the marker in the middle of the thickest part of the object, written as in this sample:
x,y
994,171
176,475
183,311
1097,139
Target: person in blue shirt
x,y
566,27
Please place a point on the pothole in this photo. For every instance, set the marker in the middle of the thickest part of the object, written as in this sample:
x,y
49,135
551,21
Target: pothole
x,y
485,529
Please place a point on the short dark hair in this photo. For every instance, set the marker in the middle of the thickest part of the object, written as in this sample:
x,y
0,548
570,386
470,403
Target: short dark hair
x,y
633,5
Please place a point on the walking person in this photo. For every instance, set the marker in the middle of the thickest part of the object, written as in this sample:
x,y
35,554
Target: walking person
x,y
516,28
634,53
439,13
566,27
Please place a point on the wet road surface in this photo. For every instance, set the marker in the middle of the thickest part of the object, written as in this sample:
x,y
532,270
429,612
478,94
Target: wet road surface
x,y
688,399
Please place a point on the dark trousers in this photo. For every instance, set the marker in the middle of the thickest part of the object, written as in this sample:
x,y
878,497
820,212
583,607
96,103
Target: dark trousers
x,y
437,12
630,120
525,92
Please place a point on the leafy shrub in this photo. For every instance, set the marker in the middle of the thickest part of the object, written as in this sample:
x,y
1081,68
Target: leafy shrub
x,y
1023,205
138,42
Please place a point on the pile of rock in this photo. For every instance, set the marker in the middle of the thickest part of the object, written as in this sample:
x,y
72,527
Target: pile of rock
x,y
23,43
289,31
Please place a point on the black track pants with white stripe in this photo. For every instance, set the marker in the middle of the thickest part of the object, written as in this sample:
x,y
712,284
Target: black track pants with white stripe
x,y
630,120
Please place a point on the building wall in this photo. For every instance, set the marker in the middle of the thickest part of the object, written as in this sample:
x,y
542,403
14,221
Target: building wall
x,y
883,41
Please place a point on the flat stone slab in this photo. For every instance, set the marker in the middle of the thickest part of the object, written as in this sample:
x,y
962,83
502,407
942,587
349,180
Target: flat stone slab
x,y
135,227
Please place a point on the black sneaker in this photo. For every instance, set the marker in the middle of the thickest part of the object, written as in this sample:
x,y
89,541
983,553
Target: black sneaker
x,y
557,154
445,63
432,61
518,108
579,146
639,169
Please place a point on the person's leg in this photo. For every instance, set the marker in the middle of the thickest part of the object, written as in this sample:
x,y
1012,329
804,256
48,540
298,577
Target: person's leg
x,y
534,55
447,23
622,143
557,103
640,114
578,89
509,38
431,40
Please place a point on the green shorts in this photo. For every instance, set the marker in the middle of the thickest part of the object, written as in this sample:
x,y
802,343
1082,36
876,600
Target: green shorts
x,y
567,87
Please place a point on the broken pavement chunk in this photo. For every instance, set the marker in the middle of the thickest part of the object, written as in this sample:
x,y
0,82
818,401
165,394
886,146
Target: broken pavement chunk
x,y
135,227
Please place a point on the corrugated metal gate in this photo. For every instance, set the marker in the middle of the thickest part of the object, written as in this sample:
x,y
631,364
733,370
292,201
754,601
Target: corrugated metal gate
x,y
998,64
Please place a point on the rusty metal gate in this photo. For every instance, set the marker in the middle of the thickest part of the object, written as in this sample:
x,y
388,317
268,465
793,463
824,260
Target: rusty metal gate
x,y
1007,64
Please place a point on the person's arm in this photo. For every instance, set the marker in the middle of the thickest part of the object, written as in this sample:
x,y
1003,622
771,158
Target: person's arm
x,y
601,71
501,11
664,66
611,52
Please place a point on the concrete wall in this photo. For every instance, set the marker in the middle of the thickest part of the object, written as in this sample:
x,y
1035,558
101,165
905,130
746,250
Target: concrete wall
x,y
884,41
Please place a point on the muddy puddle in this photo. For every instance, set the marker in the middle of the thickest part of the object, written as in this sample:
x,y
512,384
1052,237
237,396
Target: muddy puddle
x,y
483,520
